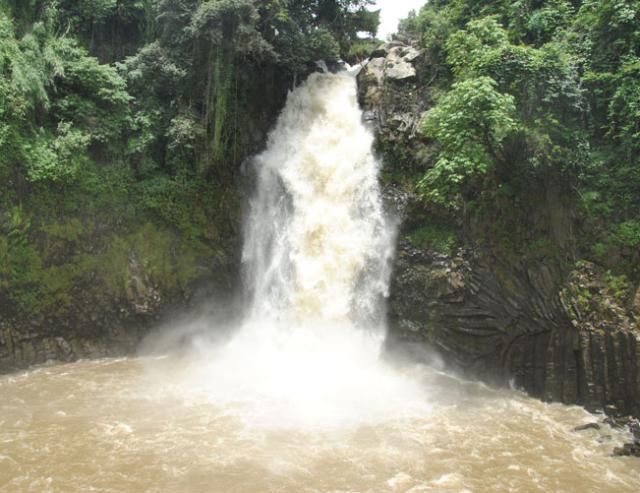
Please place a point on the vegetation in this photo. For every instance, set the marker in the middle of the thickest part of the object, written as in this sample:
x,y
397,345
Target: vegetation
x,y
122,125
436,237
536,94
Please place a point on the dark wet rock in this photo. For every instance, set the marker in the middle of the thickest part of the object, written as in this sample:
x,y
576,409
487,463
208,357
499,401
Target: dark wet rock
x,y
630,422
142,295
104,326
635,306
380,52
634,427
395,65
628,450
616,421
397,202
336,66
393,90
518,323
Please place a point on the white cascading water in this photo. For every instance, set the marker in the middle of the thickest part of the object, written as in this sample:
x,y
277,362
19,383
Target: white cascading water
x,y
317,244
316,256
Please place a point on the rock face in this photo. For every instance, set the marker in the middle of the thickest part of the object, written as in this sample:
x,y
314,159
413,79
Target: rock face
x,y
633,425
392,89
20,348
105,326
546,324
505,322
100,322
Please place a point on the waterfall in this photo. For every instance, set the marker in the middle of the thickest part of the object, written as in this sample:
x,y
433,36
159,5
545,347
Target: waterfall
x,y
316,258
317,245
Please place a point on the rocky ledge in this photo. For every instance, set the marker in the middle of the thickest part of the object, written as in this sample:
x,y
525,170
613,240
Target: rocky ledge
x,y
633,424
103,325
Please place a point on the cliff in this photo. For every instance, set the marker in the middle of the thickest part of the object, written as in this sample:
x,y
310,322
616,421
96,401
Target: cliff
x,y
500,295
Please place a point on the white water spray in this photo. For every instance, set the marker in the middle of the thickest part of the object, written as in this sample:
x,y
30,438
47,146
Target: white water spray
x,y
316,258
316,261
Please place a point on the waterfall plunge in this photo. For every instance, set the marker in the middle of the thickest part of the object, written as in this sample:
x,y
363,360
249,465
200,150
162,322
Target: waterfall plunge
x,y
316,261
287,404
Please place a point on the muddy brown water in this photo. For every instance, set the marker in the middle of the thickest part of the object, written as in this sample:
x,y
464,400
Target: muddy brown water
x,y
115,426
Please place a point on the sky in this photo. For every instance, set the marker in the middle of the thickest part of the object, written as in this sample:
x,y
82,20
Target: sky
x,y
392,12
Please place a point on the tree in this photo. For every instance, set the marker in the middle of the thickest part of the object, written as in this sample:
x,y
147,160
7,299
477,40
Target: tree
x,y
470,124
57,101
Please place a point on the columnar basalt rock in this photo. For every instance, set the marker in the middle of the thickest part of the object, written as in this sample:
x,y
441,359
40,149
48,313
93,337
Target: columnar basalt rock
x,y
513,323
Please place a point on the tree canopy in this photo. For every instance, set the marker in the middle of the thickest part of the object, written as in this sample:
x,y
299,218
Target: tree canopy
x,y
125,116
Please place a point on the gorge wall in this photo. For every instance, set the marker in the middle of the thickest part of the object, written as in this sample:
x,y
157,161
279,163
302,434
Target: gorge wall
x,y
100,280
536,316
123,134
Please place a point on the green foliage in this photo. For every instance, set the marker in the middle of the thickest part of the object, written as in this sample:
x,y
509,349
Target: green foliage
x,y
571,71
300,31
432,27
618,286
465,48
470,123
528,116
56,102
627,234
56,158
111,29
536,23
437,237
169,262
624,108
322,45
361,49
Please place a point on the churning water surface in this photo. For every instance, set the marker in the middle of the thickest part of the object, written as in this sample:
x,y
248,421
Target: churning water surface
x,y
149,425
299,399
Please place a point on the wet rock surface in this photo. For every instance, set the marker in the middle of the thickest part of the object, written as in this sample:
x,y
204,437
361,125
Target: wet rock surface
x,y
588,426
393,92
514,323
631,449
519,324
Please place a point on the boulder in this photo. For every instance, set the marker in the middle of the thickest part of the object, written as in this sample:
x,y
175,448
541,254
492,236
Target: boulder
x,y
396,67
393,94
628,450
380,52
